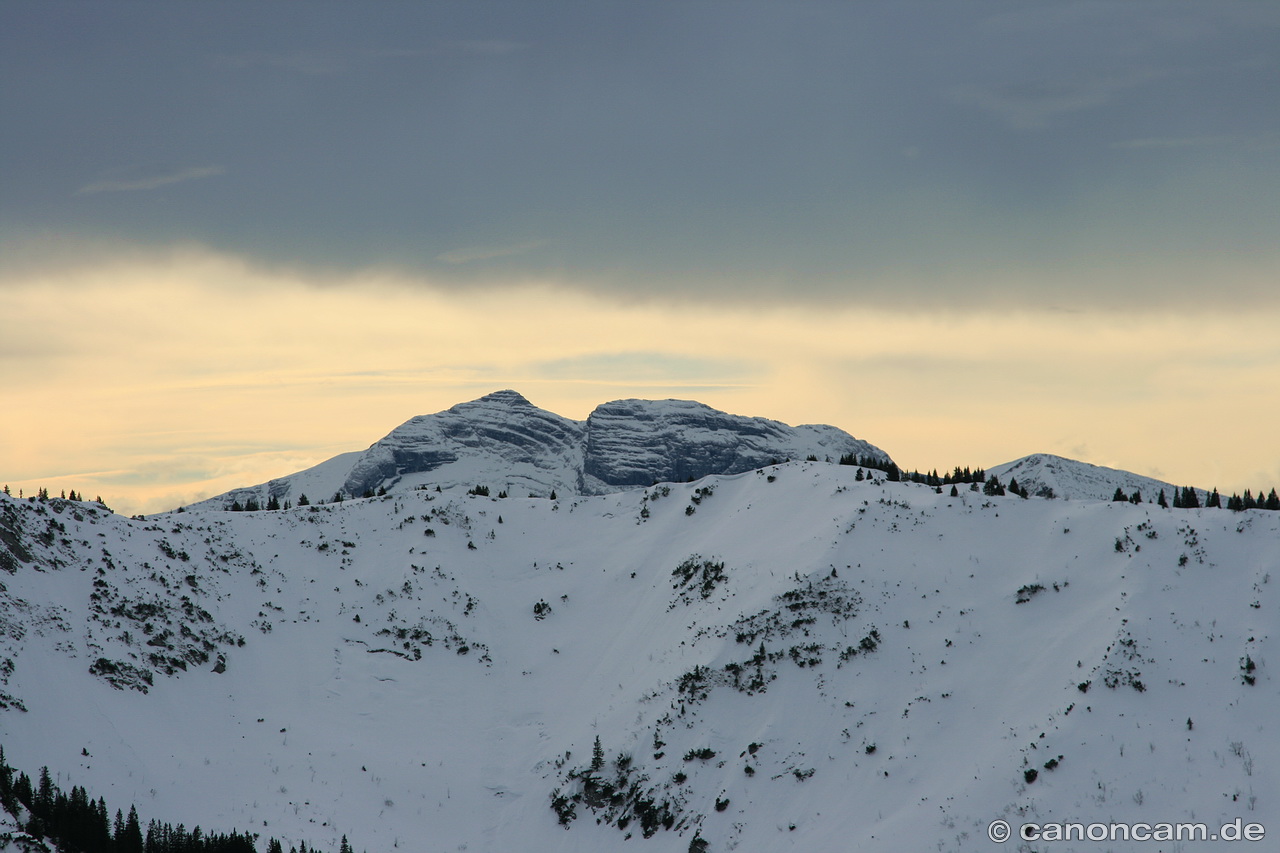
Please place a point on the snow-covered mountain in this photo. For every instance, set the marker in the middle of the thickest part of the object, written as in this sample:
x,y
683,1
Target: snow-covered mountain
x,y
1044,474
791,658
504,442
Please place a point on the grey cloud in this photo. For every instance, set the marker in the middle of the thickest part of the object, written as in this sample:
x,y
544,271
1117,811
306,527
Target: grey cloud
x,y
487,253
876,152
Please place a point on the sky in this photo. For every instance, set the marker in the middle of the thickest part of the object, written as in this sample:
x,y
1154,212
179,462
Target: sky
x,y
239,238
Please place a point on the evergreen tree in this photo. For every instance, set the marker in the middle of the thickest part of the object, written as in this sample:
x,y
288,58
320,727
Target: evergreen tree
x,y
302,500
44,794
597,755
1214,501
1273,501
1190,500
273,503
1135,498
132,841
1119,497
344,847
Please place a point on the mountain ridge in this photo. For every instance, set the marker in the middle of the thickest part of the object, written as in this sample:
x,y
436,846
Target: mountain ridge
x,y
1049,475
503,441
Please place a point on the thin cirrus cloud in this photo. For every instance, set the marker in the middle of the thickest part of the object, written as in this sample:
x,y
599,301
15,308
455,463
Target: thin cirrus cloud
x,y
1256,142
150,182
1034,105
335,60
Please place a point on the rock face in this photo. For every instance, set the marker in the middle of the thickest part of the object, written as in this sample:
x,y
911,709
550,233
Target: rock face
x,y
503,426
505,442
639,442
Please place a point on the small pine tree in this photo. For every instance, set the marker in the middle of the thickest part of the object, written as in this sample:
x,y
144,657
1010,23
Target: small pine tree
x,y
303,500
597,755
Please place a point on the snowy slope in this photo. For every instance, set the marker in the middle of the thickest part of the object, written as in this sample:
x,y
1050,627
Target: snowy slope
x,y
506,443
432,672
1070,479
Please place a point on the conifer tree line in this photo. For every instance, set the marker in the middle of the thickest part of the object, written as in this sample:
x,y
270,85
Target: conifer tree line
x,y
76,823
42,494
894,474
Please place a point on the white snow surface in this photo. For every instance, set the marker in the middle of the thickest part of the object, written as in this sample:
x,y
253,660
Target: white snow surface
x,y
396,685
504,442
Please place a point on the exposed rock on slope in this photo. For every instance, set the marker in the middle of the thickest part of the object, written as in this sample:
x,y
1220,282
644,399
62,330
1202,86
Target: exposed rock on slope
x,y
504,427
640,442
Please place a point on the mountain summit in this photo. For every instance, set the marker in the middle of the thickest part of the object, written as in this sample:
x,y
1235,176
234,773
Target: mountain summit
x,y
504,441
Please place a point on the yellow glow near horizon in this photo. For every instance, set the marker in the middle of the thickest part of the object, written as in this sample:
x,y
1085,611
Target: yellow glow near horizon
x,y
156,381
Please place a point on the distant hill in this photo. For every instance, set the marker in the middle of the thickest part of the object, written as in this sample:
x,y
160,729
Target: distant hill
x,y
1043,474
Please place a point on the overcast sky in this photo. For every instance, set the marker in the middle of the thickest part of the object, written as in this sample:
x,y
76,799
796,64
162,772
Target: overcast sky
x,y
979,165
